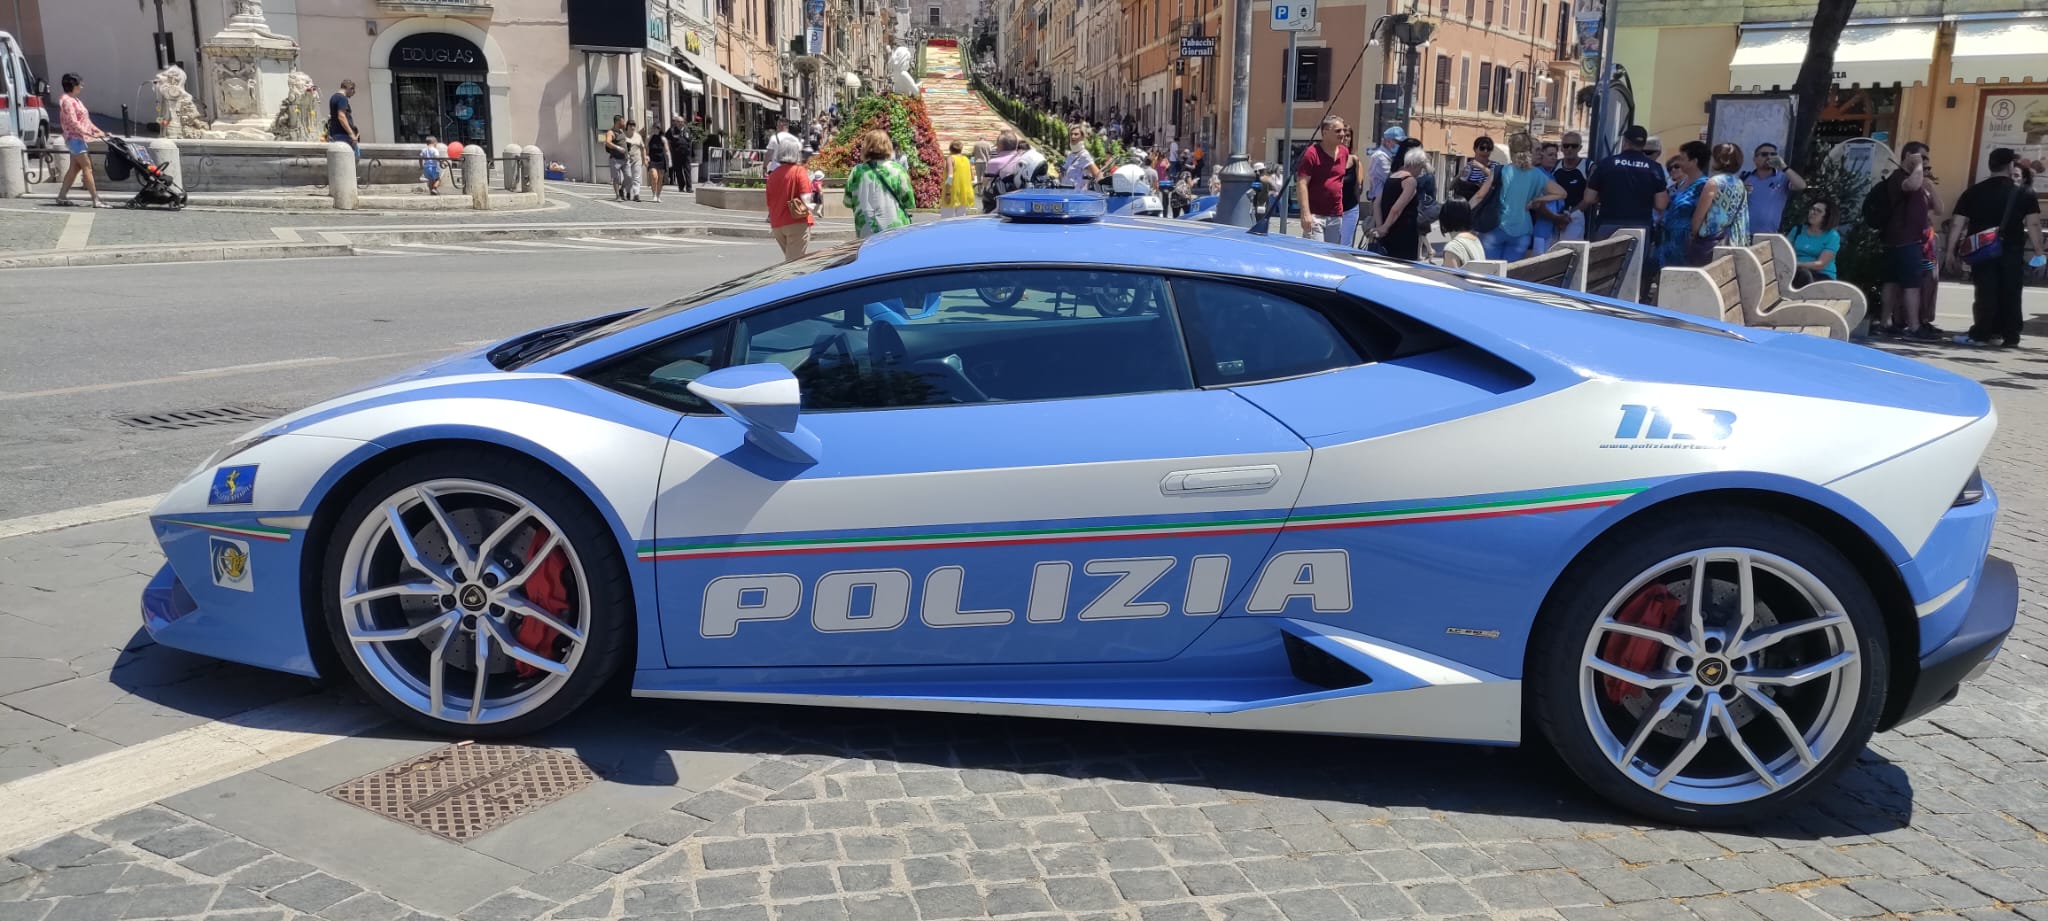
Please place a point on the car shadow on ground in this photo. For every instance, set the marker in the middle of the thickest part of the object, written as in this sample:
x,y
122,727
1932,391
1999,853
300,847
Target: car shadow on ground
x,y
639,742
1874,795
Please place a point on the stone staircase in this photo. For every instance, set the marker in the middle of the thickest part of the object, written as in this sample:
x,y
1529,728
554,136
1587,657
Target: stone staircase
x,y
956,112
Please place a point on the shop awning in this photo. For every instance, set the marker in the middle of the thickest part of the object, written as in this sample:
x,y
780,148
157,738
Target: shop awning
x,y
684,79
1991,50
725,78
1884,54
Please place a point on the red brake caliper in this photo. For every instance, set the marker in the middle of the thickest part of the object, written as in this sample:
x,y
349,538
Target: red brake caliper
x,y
545,589
1653,607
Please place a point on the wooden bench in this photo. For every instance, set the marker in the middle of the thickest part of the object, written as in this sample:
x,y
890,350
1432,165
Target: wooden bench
x,y
1557,268
1775,252
1603,268
1718,291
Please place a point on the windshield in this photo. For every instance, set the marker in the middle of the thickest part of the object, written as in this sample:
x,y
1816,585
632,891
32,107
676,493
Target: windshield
x,y
566,338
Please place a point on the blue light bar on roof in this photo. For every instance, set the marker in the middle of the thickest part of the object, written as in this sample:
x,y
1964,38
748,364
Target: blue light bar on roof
x,y
1052,205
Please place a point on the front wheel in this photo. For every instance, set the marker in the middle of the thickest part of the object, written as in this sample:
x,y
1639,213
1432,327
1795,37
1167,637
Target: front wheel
x,y
471,593
1711,669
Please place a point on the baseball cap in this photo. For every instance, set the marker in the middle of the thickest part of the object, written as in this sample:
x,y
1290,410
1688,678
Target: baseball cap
x,y
1394,133
1636,134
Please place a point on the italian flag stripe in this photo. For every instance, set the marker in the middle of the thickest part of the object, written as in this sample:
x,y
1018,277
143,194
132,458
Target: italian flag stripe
x,y
258,532
1460,512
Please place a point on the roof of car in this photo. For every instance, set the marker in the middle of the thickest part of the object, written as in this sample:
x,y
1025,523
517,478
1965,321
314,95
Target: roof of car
x,y
1143,242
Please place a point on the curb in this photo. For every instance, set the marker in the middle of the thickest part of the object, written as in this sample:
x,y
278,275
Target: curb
x,y
471,235
210,253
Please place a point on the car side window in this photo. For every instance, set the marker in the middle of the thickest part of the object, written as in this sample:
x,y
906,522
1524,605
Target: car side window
x,y
1239,335
661,373
974,337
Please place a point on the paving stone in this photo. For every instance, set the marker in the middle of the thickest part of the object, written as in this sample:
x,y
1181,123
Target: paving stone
x,y
1311,905
179,841
1441,898
801,883
820,910
805,848
235,898
24,911
999,866
372,907
223,858
1008,900
594,906
619,855
942,902
562,881
1840,902
61,851
713,805
728,889
171,901
1080,893
148,820
1147,885
654,899
730,913
96,907
775,773
313,893
668,828
735,855
70,881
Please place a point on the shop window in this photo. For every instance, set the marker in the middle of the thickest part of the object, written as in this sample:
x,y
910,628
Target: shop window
x,y
1311,74
440,87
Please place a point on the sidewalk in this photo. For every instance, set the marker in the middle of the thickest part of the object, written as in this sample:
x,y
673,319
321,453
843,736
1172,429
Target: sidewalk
x,y
35,232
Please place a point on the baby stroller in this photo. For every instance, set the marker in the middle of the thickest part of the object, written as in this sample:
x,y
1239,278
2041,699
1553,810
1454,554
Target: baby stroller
x,y
158,188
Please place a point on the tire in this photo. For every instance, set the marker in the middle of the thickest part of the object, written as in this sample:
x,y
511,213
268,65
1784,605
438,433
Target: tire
x,y
1001,295
535,673
1629,598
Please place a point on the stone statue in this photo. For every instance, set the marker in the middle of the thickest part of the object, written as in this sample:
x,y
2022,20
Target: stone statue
x,y
248,17
899,72
295,117
175,108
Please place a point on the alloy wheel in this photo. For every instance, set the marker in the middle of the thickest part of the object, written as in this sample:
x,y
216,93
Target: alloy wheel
x,y
464,601
1721,676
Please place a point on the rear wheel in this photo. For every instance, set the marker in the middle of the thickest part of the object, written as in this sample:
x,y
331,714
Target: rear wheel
x,y
468,592
1712,669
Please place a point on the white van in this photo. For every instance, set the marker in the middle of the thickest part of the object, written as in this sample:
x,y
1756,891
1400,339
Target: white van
x,y
21,105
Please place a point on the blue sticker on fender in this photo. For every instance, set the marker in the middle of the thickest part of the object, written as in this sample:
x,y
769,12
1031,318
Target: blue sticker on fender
x,y
233,486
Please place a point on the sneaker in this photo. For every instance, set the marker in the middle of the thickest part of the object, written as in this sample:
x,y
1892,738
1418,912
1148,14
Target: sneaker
x,y
1926,333
1973,343
1888,332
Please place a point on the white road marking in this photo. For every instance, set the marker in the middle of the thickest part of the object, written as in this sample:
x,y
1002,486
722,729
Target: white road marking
x,y
702,241
200,375
77,230
58,800
615,241
73,517
450,247
544,244
260,365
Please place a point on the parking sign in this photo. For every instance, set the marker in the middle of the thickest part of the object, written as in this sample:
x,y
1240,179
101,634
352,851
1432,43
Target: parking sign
x,y
1293,16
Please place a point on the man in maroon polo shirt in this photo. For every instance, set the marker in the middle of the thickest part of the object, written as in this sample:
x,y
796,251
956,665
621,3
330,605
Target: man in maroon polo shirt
x,y
1319,185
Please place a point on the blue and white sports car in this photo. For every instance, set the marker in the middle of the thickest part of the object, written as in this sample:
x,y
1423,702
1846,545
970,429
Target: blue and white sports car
x,y
1048,464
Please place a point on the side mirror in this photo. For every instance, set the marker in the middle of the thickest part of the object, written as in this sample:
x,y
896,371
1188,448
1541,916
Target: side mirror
x,y
764,399
42,87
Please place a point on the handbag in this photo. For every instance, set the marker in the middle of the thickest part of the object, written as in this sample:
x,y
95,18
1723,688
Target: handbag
x,y
1986,245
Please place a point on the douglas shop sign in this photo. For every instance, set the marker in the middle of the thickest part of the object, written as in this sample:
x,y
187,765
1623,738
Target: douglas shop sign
x,y
435,50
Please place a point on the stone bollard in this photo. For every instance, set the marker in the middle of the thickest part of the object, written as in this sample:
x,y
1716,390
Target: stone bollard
x,y
13,167
476,176
536,173
165,152
513,167
341,176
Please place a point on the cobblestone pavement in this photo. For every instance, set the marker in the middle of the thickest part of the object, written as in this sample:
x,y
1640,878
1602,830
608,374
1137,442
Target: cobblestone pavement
x,y
841,816
34,224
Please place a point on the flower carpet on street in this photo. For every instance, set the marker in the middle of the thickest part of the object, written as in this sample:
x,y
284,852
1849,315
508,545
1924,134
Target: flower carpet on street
x,y
957,113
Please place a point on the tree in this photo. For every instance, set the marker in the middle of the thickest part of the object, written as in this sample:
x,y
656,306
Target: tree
x,y
1816,76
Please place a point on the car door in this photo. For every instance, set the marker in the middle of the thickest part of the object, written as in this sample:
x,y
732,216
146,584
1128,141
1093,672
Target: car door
x,y
1016,467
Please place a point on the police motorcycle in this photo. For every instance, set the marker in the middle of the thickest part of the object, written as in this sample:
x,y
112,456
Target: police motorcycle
x,y
1133,190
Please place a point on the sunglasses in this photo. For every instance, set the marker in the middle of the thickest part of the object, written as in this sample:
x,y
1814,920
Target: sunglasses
x,y
1571,146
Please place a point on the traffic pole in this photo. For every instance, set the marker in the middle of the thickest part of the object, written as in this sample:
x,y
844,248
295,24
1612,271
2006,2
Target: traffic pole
x,y
1234,205
1286,166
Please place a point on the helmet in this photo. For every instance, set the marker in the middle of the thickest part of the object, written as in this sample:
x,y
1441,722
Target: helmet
x,y
1130,179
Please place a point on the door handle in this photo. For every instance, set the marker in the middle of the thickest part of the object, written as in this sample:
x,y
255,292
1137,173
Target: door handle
x,y
1220,479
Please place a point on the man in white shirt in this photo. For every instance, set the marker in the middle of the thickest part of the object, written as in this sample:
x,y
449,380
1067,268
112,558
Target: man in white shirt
x,y
1382,165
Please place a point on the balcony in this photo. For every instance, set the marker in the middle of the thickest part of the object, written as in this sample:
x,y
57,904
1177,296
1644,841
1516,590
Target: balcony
x,y
467,9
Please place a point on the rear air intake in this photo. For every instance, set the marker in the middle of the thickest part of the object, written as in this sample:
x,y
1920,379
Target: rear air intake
x,y
1314,666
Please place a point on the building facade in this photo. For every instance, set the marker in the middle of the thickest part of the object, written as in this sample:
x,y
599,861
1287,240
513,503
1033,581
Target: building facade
x,y
1500,69
1964,76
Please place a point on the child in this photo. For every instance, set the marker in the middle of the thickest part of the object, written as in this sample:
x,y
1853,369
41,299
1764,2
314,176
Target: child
x,y
430,165
1463,246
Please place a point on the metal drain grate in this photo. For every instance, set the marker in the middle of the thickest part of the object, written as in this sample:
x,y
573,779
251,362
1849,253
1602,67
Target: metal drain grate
x,y
461,791
196,418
